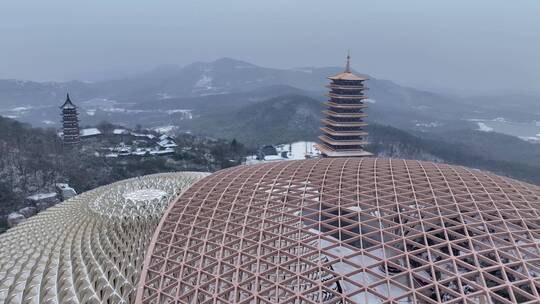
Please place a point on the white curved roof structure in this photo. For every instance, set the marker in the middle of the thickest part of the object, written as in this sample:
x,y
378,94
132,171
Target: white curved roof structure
x,y
90,248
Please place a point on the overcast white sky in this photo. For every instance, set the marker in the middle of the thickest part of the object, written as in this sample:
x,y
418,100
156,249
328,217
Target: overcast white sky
x,y
478,45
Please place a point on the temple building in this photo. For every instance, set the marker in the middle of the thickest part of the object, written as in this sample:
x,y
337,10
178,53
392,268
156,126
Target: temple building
x,y
343,124
70,123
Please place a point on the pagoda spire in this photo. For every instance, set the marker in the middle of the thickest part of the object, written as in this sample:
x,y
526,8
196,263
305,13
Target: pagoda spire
x,y
67,103
348,66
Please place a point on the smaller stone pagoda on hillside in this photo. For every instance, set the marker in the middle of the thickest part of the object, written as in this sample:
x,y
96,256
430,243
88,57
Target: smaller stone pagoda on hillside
x,y
70,123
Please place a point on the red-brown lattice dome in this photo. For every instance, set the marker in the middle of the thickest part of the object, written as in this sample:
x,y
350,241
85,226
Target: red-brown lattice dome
x,y
359,230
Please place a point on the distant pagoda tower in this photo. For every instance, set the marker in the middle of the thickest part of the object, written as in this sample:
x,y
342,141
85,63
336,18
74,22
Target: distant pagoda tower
x,y
70,123
343,124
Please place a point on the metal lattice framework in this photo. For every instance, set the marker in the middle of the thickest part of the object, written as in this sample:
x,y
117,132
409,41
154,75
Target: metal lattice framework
x,y
348,230
90,248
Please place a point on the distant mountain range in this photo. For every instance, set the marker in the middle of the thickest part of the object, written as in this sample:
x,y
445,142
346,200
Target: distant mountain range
x,y
157,96
235,99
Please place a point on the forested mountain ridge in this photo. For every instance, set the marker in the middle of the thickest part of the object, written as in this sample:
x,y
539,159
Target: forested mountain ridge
x,y
33,160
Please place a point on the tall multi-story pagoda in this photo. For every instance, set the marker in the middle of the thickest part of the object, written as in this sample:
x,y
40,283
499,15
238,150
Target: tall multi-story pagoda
x,y
343,124
70,123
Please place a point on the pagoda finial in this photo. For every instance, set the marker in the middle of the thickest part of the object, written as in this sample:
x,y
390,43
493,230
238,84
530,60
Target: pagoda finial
x,y
67,97
348,66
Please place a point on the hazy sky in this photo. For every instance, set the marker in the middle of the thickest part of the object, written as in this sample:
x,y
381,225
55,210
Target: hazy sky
x,y
478,45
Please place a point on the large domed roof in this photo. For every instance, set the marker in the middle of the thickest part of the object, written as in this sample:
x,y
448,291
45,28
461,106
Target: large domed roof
x,y
90,248
360,230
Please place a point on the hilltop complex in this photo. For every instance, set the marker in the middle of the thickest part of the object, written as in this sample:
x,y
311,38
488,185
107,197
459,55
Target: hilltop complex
x,y
341,228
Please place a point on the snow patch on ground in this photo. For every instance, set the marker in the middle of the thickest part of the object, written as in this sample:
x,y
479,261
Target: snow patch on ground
x,y
122,110
299,149
184,114
484,128
21,109
214,93
48,122
204,82
293,151
533,139
166,129
304,70
164,95
431,124
99,102
91,112
240,67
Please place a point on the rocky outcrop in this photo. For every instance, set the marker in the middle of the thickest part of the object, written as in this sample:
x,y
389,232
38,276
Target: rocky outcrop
x,y
65,191
14,219
28,211
43,199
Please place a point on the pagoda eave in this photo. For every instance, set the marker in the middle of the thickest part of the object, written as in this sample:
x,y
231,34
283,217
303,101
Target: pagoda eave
x,y
341,142
348,115
348,76
343,133
346,105
332,95
344,124
329,152
342,87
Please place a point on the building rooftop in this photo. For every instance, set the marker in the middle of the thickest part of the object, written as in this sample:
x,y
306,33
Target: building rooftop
x,y
347,230
348,74
90,248
90,132
68,104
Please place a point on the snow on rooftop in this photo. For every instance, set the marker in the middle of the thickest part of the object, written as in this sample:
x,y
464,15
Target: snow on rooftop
x,y
149,136
90,132
40,196
204,82
145,195
167,143
165,129
120,131
161,152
